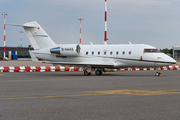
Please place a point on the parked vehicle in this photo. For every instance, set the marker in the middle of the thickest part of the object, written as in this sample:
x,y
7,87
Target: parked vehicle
x,y
1,58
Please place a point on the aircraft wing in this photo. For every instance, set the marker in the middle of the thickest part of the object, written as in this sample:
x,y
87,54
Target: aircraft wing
x,y
92,64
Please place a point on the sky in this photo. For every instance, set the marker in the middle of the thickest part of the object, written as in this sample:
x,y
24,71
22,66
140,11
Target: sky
x,y
153,22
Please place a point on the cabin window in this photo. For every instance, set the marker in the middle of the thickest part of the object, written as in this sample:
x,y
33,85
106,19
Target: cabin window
x,y
104,53
92,52
117,53
98,52
86,53
111,53
129,52
123,52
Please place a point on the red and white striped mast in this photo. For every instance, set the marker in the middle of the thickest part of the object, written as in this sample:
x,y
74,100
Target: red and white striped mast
x,y
21,37
105,32
80,29
4,33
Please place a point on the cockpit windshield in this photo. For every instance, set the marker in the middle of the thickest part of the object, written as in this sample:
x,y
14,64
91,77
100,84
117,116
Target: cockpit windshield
x,y
151,51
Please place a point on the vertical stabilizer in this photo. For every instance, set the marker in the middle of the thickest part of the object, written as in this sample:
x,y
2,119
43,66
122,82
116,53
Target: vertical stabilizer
x,y
37,36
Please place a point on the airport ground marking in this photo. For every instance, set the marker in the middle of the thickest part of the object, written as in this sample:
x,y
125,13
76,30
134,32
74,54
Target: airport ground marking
x,y
108,92
138,92
59,96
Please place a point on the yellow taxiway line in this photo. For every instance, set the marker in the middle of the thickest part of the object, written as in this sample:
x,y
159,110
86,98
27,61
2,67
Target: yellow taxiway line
x,y
108,92
138,92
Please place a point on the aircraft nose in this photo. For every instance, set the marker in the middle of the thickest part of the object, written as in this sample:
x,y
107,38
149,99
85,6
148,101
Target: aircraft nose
x,y
171,60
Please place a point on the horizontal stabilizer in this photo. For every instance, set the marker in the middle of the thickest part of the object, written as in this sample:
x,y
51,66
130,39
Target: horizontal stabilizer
x,y
25,25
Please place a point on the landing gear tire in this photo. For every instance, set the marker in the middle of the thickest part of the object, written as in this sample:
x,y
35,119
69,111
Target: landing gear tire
x,y
157,74
98,72
87,73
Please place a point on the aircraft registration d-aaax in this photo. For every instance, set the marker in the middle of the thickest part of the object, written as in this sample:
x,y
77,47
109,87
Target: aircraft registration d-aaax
x,y
92,56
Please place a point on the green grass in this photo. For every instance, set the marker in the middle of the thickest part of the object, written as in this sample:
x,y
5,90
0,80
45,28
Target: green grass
x,y
178,60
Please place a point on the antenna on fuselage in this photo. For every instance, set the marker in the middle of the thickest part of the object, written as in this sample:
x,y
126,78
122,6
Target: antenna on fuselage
x,y
91,43
130,43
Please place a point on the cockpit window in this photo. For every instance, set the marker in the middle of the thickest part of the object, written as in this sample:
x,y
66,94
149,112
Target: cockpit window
x,y
151,51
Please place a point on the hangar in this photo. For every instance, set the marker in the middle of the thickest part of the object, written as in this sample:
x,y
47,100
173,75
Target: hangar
x,y
176,52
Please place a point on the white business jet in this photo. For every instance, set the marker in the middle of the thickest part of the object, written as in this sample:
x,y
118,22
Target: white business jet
x,y
92,56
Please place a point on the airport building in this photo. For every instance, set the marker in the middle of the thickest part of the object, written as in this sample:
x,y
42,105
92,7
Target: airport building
x,y
176,52
13,53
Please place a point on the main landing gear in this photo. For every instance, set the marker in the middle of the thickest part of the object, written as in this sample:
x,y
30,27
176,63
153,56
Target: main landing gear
x,y
97,72
86,73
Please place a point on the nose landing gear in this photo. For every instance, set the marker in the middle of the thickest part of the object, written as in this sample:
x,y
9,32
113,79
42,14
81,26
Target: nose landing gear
x,y
157,68
158,74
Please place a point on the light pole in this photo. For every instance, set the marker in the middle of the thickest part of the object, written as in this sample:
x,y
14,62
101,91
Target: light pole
x,y
105,32
4,32
80,29
21,37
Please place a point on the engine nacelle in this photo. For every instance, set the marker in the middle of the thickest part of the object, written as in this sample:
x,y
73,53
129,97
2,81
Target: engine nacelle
x,y
66,50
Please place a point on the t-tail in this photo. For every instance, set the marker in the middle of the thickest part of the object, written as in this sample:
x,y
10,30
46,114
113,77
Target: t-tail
x,y
37,36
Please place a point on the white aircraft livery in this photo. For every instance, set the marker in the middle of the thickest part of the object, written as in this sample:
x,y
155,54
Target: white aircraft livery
x,y
92,56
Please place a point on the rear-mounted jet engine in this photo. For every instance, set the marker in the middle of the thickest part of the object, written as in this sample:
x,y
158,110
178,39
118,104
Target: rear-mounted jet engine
x,y
66,50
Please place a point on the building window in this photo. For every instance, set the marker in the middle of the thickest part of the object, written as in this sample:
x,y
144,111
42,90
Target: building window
x,y
86,53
